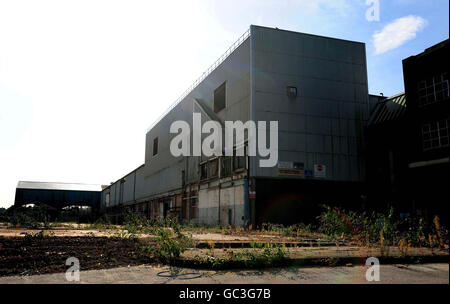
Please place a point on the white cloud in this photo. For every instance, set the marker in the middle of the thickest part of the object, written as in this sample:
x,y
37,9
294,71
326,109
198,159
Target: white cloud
x,y
397,33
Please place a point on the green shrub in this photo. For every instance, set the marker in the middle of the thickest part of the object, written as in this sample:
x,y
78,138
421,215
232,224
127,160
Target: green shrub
x,y
169,245
368,228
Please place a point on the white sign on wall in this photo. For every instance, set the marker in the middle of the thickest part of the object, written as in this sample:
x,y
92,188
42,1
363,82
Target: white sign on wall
x,y
320,170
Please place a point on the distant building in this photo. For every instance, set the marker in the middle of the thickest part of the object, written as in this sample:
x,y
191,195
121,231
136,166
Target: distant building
x,y
408,141
57,195
315,87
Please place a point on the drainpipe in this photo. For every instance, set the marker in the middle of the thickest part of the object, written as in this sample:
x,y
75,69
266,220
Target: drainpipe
x,y
218,219
246,205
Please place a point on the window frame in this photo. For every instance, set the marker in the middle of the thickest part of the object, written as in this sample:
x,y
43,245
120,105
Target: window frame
x,y
435,135
433,89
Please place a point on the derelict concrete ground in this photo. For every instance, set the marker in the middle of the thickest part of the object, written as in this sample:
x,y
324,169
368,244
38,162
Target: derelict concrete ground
x,y
148,274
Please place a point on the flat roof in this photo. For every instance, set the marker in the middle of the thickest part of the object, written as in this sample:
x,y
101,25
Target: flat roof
x,y
58,186
309,34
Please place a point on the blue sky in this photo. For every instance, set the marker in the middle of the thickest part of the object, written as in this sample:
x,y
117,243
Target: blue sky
x,y
80,81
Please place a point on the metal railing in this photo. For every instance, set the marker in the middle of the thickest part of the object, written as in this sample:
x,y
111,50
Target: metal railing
x,y
205,74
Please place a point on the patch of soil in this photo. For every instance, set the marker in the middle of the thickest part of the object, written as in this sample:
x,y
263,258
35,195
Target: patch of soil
x,y
27,256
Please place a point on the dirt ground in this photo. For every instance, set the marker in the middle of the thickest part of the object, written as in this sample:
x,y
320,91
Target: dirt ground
x,y
199,235
27,256
23,252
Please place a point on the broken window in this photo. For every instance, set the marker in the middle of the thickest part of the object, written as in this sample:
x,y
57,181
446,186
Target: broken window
x,y
203,171
213,167
220,98
238,161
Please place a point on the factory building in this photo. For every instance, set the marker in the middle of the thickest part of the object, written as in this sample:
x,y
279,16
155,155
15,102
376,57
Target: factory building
x,y
58,195
408,141
314,87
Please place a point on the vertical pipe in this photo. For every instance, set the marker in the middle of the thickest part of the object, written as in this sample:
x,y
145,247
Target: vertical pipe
x,y
219,204
246,205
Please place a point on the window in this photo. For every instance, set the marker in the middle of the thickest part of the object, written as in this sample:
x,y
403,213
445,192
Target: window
x,y
433,89
209,169
203,171
225,166
155,146
435,134
220,98
238,161
213,168
292,92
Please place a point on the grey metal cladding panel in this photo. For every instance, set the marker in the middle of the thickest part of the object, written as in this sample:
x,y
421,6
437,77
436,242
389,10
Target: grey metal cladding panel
x,y
341,166
353,168
308,67
267,102
277,63
274,83
331,108
327,144
142,189
314,143
128,188
289,122
165,180
291,141
318,125
112,198
308,87
268,40
271,40
235,70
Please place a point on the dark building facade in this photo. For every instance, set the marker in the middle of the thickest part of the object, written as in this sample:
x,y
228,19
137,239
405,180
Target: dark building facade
x,y
387,151
408,143
427,97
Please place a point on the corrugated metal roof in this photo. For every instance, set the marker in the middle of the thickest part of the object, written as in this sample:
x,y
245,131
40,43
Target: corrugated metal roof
x,y
58,186
390,109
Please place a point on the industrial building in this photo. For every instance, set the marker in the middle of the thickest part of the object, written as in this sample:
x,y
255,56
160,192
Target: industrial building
x,y
408,142
58,195
315,87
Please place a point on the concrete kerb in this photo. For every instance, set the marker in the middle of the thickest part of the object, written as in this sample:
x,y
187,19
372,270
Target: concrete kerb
x,y
313,262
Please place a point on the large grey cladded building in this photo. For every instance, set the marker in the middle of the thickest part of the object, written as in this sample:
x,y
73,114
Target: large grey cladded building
x,y
315,87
